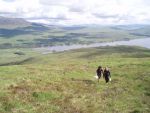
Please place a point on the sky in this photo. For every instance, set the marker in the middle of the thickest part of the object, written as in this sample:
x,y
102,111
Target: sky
x,y
77,12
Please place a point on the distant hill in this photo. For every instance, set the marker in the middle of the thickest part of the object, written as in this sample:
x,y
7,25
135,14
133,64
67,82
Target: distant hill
x,y
135,29
131,27
13,22
19,33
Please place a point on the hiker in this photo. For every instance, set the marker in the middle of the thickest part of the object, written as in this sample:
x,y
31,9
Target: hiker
x,y
99,72
107,75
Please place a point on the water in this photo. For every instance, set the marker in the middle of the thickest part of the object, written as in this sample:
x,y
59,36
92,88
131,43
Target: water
x,y
144,42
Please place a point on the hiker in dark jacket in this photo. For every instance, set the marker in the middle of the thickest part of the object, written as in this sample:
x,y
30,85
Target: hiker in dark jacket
x,y
107,75
99,72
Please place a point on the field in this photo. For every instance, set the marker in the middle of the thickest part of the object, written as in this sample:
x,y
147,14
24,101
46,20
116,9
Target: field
x,y
37,35
64,82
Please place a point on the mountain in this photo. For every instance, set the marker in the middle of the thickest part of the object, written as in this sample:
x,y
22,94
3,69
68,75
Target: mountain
x,y
13,22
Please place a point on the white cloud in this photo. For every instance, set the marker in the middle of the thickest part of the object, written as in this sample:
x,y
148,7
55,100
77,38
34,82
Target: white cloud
x,y
78,11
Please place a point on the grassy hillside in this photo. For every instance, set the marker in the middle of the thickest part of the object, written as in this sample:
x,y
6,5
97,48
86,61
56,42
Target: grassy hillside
x,y
16,56
64,82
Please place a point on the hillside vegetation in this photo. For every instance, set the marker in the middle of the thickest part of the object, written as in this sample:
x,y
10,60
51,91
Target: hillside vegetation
x,y
64,82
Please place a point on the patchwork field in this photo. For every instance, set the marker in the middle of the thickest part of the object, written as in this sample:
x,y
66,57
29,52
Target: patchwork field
x,y
38,35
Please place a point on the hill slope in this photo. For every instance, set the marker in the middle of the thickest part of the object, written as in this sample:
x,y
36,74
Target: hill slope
x,y
64,82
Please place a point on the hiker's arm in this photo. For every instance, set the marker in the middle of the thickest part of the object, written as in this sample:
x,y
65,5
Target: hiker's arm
x,y
109,74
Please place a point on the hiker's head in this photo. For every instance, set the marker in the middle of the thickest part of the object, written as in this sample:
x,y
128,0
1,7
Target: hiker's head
x,y
106,68
99,67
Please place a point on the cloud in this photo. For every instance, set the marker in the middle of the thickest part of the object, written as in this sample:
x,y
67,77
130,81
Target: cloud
x,y
105,16
78,11
9,0
52,2
58,17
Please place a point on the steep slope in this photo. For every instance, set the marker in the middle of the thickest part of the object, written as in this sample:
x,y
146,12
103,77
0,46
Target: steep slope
x,y
65,83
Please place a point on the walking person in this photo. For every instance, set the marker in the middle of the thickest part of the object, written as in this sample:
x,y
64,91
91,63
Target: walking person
x,y
99,72
107,75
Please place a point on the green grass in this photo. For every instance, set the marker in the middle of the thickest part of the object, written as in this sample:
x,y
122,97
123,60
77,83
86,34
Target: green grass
x,y
16,56
64,82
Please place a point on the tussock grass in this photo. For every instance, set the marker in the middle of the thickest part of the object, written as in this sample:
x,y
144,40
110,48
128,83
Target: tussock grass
x,y
64,82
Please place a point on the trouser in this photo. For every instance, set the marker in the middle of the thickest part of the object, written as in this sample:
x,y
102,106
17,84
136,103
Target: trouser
x,y
107,79
99,76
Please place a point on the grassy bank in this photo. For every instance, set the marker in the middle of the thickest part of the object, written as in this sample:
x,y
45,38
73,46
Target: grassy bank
x,y
16,56
64,82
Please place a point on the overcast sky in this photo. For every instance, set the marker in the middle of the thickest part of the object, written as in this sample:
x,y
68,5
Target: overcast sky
x,y
74,12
